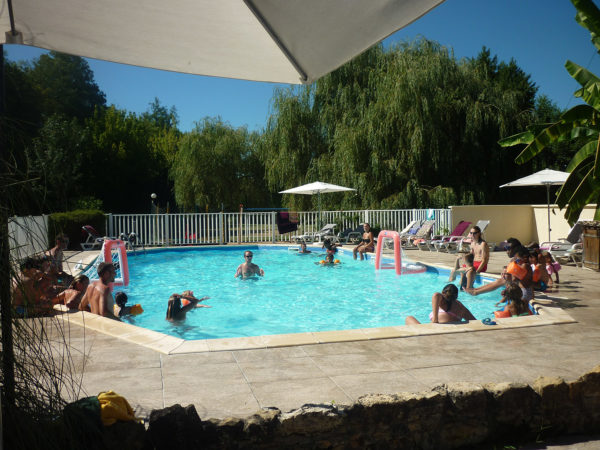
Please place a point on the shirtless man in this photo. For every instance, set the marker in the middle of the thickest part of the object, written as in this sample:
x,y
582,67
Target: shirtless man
x,y
98,295
479,250
248,268
56,259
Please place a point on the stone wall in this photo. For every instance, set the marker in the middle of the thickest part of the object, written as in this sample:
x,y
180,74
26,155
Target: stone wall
x,y
449,416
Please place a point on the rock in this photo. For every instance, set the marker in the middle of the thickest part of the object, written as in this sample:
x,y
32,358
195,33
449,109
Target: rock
x,y
310,419
129,435
175,427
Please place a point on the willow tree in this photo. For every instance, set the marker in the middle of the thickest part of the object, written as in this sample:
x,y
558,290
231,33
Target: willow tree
x,y
410,126
216,167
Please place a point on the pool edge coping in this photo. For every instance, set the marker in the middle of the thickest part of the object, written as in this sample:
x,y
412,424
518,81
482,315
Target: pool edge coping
x,y
548,314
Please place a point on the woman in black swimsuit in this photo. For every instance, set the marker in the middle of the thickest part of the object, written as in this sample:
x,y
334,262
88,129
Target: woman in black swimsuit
x,y
367,244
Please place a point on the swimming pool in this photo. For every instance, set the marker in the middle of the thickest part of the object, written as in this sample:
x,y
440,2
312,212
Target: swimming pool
x,y
296,294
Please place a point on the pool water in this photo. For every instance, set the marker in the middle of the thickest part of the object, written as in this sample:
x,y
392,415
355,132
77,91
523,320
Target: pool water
x,y
296,294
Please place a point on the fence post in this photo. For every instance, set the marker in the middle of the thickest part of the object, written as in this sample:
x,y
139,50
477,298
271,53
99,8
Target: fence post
x,y
273,224
366,216
109,221
221,227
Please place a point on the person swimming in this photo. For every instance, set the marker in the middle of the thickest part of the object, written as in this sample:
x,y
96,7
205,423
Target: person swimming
x,y
328,260
121,309
303,248
177,310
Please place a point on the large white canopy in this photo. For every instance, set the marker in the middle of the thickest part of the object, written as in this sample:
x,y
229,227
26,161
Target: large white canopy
x,y
317,187
287,41
546,177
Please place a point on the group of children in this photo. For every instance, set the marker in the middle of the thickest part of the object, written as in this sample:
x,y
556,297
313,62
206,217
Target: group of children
x,y
529,269
330,250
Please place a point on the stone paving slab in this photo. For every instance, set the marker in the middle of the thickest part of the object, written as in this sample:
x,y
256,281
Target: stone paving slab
x,y
229,381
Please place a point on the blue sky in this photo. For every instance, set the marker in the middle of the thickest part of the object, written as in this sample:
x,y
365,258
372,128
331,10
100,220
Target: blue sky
x,y
539,34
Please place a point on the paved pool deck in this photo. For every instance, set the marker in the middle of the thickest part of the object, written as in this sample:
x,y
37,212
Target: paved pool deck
x,y
225,382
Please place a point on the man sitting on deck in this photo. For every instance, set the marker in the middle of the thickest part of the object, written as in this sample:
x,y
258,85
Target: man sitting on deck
x,y
98,296
56,260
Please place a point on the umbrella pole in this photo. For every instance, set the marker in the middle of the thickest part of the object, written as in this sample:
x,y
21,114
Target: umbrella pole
x,y
320,219
548,203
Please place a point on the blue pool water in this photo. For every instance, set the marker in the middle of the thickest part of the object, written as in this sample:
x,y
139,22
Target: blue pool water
x,y
295,295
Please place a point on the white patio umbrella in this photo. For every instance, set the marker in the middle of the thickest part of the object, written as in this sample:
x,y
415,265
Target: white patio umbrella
x,y
286,41
317,187
546,177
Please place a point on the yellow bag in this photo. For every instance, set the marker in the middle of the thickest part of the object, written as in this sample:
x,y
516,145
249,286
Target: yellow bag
x,y
113,407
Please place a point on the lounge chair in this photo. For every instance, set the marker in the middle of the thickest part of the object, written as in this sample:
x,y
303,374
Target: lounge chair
x,y
93,240
407,232
567,249
351,235
328,230
464,244
423,233
441,243
564,244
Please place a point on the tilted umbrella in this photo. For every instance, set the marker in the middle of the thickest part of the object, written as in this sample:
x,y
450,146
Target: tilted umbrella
x,y
286,41
317,187
546,177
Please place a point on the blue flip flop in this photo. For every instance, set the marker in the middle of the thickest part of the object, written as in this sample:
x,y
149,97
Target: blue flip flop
x,y
488,321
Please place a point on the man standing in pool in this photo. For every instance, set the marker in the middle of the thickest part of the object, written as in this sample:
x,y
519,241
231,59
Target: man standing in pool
x,y
98,295
248,268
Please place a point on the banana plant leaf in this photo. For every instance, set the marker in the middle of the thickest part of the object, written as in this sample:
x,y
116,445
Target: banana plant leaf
x,y
588,16
584,153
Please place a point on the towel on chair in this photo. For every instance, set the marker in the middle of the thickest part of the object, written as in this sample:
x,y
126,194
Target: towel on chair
x,y
113,407
286,222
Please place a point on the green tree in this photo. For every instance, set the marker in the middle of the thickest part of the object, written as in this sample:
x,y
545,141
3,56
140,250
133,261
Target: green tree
x,y
579,124
123,162
216,165
403,126
57,157
66,85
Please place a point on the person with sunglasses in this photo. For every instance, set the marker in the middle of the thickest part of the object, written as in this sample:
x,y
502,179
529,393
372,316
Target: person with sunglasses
x,y
248,269
479,250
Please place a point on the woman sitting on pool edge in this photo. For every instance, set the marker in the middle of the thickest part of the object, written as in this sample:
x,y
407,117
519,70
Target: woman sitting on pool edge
x,y
177,310
367,243
445,308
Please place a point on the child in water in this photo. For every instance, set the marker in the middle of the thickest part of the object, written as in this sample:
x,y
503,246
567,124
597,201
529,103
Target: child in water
x,y
329,260
303,248
120,308
180,304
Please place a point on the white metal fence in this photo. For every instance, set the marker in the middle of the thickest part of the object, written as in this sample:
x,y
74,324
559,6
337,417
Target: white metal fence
x,y
222,228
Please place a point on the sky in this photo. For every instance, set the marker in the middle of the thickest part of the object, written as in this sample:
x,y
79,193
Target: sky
x,y
541,35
